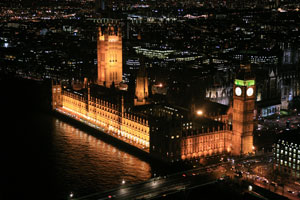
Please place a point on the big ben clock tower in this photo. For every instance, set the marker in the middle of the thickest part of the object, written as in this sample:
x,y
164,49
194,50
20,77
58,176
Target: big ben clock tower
x,y
243,111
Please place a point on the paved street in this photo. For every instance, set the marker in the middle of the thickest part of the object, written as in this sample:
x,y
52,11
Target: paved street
x,y
157,187
279,123
257,171
164,185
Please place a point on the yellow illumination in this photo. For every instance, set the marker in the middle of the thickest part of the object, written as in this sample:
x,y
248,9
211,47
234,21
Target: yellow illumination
x,y
199,112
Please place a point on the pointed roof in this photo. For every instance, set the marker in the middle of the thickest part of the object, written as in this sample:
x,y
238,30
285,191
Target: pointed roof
x,y
272,74
245,72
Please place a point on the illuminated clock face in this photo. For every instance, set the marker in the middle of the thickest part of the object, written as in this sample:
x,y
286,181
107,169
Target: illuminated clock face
x,y
238,91
249,91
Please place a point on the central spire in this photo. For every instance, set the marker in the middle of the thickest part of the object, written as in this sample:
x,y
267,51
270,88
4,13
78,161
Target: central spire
x,y
141,89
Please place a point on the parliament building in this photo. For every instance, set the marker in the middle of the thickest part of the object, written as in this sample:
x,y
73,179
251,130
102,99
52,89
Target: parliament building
x,y
166,132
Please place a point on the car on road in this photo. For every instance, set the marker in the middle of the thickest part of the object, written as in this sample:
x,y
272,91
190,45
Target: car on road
x,y
274,184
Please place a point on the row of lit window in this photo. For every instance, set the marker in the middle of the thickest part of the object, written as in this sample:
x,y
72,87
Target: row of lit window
x,y
74,102
107,109
187,127
172,137
289,164
286,143
290,159
202,139
287,153
187,124
286,148
197,148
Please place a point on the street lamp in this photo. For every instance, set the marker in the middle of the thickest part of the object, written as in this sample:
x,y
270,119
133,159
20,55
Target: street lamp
x,y
253,149
123,181
199,112
71,195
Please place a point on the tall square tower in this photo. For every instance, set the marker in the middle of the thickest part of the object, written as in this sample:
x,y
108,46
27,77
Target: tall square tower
x,y
243,111
109,55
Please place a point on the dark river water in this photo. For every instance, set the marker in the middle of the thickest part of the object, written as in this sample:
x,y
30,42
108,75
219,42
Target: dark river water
x,y
46,157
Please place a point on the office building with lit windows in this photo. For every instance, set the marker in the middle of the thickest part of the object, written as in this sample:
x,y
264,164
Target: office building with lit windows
x,y
287,153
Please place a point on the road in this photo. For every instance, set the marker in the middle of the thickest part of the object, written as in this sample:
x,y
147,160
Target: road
x,y
256,171
279,190
156,187
280,123
162,186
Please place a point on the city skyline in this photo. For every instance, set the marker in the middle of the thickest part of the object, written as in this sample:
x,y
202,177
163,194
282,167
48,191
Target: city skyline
x,y
209,87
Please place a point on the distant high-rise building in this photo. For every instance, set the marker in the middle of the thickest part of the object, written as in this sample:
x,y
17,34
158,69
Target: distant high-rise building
x,y
109,55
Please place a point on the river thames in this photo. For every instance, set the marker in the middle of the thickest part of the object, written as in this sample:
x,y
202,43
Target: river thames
x,y
46,157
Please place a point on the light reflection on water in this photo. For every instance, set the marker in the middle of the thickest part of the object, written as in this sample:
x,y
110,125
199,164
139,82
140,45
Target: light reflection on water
x,y
87,164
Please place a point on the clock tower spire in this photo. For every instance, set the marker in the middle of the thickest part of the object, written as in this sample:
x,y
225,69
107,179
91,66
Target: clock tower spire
x,y
243,111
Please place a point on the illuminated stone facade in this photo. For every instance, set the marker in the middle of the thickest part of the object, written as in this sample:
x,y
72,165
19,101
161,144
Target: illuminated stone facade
x,y
243,112
141,87
206,144
109,55
166,132
103,115
56,95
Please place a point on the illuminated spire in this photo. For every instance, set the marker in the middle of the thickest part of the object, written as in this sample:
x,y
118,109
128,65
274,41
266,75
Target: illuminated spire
x,y
141,89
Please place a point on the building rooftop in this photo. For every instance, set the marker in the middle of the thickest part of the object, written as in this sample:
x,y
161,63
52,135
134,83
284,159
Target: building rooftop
x,y
210,108
292,136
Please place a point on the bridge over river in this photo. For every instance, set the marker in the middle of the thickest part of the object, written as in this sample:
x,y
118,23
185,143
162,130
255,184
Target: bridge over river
x,y
170,184
159,186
